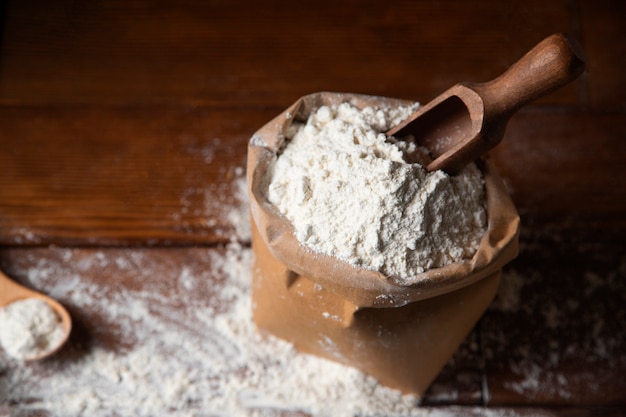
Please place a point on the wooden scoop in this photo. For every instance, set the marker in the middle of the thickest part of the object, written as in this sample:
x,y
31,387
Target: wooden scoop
x,y
11,291
469,119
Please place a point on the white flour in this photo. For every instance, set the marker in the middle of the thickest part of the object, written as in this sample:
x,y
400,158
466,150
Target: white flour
x,y
353,194
29,328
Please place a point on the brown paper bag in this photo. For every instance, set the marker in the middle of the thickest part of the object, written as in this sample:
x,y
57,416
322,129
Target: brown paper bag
x,y
401,334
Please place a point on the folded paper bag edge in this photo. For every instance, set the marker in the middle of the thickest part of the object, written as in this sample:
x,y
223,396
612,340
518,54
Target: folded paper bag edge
x,y
364,287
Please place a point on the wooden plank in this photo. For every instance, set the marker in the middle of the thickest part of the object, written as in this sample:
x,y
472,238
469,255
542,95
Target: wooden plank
x,y
158,175
162,277
235,53
537,361
123,175
602,25
565,168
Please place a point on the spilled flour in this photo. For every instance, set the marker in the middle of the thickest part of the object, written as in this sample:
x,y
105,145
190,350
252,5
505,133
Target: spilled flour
x,y
181,344
354,194
201,358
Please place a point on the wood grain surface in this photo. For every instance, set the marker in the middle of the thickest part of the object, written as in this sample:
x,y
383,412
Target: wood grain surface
x,y
124,126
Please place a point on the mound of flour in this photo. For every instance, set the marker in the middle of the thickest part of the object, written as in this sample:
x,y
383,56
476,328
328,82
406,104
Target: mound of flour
x,y
29,328
353,194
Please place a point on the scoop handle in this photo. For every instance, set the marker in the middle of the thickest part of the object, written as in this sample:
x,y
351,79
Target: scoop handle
x,y
552,63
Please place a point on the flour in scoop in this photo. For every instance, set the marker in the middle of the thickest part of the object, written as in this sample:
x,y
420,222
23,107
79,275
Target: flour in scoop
x,y
354,194
29,328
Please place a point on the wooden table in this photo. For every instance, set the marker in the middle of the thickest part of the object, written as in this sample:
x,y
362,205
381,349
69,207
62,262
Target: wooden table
x,y
123,126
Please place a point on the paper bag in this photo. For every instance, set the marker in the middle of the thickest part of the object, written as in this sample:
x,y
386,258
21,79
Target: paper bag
x,y
401,334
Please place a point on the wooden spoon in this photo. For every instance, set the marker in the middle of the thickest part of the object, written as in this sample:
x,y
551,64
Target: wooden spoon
x,y
469,119
11,291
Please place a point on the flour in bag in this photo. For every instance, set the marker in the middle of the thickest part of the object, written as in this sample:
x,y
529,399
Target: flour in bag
x,y
354,194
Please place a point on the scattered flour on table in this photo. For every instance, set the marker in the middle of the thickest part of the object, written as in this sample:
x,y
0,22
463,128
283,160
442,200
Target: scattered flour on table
x,y
560,336
202,210
29,328
203,358
187,355
353,194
